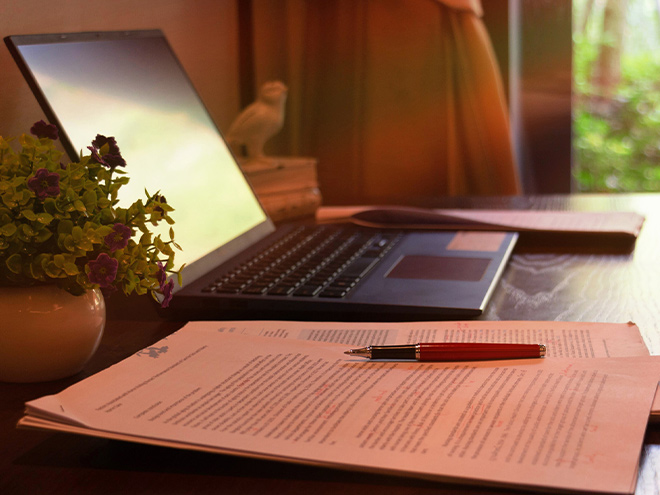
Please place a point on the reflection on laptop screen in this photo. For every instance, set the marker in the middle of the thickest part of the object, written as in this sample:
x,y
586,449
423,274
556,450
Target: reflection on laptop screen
x,y
133,89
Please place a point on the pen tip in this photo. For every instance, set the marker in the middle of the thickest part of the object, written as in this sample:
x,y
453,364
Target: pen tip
x,y
362,352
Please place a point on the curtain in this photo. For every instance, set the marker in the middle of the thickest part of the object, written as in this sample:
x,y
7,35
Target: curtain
x,y
397,99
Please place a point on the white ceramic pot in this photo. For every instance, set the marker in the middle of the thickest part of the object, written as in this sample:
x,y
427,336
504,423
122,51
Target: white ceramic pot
x,y
47,333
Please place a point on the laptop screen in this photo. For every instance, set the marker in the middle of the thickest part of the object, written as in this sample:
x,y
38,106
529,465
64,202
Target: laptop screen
x,y
133,88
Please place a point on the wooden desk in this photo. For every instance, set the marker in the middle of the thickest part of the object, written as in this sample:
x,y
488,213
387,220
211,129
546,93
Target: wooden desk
x,y
544,283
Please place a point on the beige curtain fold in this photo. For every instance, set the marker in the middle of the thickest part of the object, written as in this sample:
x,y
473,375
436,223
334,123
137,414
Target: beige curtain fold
x,y
398,99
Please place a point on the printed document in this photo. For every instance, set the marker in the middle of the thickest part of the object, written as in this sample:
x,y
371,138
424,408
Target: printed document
x,y
538,423
563,339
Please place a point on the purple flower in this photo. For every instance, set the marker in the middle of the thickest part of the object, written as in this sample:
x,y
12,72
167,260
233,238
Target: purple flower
x,y
101,141
166,287
43,130
161,275
95,156
44,183
167,293
103,270
118,238
112,158
161,201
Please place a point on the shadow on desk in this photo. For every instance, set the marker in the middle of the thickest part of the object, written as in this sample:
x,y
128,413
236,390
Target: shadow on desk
x,y
570,243
114,466
134,307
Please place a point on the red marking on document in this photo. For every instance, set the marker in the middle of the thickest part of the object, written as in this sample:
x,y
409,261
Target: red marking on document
x,y
477,409
322,389
585,459
379,397
566,370
329,411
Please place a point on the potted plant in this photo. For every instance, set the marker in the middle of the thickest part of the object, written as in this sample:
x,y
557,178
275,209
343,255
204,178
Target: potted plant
x,y
64,242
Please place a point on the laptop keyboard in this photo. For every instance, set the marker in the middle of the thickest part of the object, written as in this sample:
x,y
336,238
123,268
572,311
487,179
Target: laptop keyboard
x,y
312,261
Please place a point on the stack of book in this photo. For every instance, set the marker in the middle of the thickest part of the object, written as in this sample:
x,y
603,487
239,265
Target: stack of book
x,y
286,186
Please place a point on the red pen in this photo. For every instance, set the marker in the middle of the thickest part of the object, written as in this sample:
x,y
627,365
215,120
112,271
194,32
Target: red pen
x,y
448,351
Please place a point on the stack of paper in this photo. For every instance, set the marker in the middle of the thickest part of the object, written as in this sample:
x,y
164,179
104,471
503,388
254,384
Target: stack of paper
x,y
286,391
626,224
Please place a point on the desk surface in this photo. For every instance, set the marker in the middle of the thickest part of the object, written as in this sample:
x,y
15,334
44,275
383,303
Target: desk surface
x,y
540,283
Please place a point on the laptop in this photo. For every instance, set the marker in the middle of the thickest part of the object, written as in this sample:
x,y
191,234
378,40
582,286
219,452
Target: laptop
x,y
239,264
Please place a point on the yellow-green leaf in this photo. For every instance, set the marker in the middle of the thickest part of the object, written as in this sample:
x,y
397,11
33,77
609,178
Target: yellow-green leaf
x,y
68,243
52,270
44,235
44,218
14,263
26,232
30,215
8,229
89,198
50,205
71,268
77,233
65,227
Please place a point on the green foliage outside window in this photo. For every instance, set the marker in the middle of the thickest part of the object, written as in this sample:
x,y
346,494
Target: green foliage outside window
x,y
617,135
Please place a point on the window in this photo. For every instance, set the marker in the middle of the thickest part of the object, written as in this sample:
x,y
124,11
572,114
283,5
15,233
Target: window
x,y
616,101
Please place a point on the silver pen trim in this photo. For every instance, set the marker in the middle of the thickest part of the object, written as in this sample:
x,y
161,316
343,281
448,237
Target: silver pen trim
x,y
362,352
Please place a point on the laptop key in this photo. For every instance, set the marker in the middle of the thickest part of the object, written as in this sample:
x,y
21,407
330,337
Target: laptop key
x,y
280,290
333,292
307,290
359,267
344,282
228,289
256,290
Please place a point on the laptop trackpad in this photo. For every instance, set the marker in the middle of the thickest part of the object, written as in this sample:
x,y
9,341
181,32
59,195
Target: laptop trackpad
x,y
440,268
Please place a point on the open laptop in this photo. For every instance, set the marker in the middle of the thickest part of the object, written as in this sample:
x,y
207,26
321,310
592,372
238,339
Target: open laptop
x,y
130,85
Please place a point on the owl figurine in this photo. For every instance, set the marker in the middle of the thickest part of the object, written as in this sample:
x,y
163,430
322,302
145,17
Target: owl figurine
x,y
260,121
